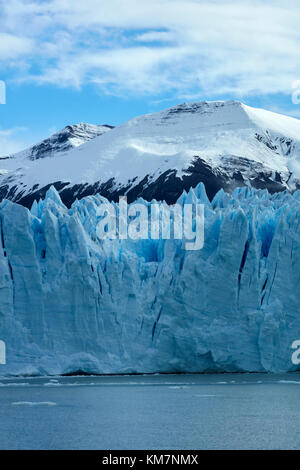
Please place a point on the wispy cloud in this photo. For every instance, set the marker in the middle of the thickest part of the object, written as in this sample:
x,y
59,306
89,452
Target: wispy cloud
x,y
12,46
11,140
189,47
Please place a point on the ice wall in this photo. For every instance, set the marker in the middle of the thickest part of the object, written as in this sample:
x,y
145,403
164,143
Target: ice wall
x,y
71,302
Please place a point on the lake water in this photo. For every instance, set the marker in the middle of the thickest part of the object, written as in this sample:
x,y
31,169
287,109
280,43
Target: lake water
x,y
227,411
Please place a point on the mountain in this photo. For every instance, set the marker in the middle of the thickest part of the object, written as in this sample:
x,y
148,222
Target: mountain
x,y
222,144
60,142
71,302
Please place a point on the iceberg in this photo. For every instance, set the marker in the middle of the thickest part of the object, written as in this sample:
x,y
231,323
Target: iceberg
x,y
73,303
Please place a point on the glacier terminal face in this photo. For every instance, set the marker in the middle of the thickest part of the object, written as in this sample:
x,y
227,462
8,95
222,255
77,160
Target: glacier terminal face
x,y
71,302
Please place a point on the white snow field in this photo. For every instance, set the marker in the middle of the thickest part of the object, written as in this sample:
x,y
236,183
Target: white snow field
x,y
71,302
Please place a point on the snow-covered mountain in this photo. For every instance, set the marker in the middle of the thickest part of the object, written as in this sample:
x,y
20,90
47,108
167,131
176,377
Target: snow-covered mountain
x,y
71,302
222,144
60,142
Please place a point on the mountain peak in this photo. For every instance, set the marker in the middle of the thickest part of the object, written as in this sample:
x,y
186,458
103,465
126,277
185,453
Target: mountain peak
x,y
66,139
230,115
199,106
69,137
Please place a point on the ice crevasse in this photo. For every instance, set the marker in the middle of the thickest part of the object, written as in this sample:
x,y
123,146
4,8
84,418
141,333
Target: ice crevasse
x,y
70,302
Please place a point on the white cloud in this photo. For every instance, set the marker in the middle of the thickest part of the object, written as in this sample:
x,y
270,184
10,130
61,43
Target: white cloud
x,y
11,141
156,36
190,47
12,46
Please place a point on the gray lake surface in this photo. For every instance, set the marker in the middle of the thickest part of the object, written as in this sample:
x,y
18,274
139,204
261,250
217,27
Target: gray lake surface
x,y
224,411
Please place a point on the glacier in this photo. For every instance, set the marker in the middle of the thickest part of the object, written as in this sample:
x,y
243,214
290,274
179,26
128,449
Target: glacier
x,y
70,302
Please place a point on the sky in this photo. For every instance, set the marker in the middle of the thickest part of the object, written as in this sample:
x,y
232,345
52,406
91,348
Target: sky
x,y
106,61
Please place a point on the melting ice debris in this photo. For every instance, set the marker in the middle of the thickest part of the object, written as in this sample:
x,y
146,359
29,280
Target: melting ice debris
x,y
70,302
33,403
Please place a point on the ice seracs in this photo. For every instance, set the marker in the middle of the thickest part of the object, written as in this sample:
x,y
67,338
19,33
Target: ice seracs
x,y
71,302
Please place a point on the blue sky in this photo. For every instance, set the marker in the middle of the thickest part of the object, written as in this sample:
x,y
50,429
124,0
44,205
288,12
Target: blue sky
x,y
98,61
